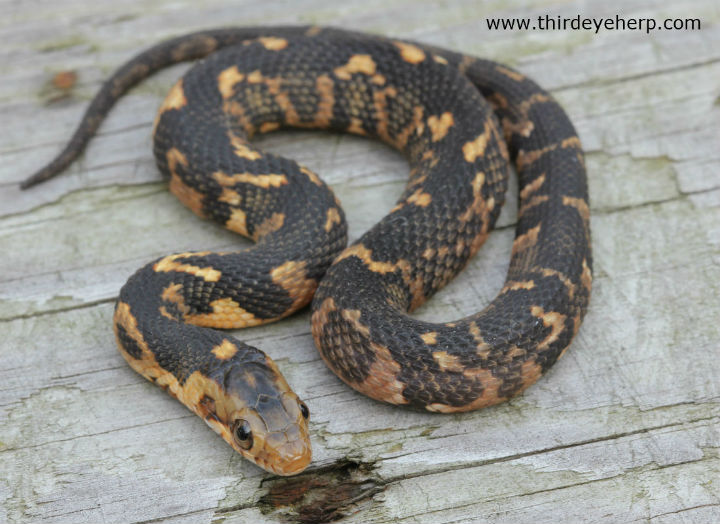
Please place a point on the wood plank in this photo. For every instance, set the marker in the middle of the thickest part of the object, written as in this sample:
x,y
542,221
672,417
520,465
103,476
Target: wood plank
x,y
626,428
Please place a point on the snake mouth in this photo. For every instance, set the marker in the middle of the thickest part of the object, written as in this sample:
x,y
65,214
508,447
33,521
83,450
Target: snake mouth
x,y
291,458
285,452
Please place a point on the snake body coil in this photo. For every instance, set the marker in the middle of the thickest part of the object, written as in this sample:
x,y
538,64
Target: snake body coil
x,y
459,120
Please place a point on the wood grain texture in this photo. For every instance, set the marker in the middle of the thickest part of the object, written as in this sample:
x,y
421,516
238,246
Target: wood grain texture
x,y
626,428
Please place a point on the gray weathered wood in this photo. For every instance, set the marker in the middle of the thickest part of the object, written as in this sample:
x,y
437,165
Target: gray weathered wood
x,y
624,429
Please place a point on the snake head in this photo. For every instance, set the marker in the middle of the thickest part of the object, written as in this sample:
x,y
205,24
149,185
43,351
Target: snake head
x,y
257,413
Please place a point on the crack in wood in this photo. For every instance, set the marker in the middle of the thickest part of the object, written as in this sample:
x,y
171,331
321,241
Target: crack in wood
x,y
322,495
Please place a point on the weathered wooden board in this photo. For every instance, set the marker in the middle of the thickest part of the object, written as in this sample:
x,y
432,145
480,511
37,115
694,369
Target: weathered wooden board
x,y
626,428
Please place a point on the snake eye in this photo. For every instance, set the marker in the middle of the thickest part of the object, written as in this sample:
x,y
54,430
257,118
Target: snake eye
x,y
304,410
243,434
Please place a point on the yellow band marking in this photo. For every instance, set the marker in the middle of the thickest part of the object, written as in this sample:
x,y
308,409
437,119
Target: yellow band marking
x,y
230,196
264,181
225,350
255,77
410,53
510,73
292,277
333,217
381,115
447,362
586,276
535,98
357,64
356,127
172,294
312,176
238,222
124,317
416,125
553,320
382,382
429,338
241,147
325,88
171,263
526,240
475,148
477,204
490,396
525,158
227,314
352,316
549,272
273,43
227,80
267,127
579,204
514,285
365,254
320,317
164,312
269,225
282,98
532,187
190,197
175,98
439,126
534,201
419,198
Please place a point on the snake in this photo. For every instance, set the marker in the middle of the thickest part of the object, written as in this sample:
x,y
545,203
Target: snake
x,y
463,123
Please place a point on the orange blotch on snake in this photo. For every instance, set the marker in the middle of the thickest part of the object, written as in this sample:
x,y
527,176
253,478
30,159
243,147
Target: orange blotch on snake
x,y
586,276
440,125
410,53
510,73
273,43
191,198
420,198
382,382
263,181
525,158
225,350
476,148
175,98
356,64
517,285
430,337
238,222
227,79
173,263
333,217
230,197
551,319
579,204
269,225
292,277
526,240
447,362
226,314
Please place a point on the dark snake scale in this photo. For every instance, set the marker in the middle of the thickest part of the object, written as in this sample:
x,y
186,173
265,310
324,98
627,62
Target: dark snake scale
x,y
461,121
